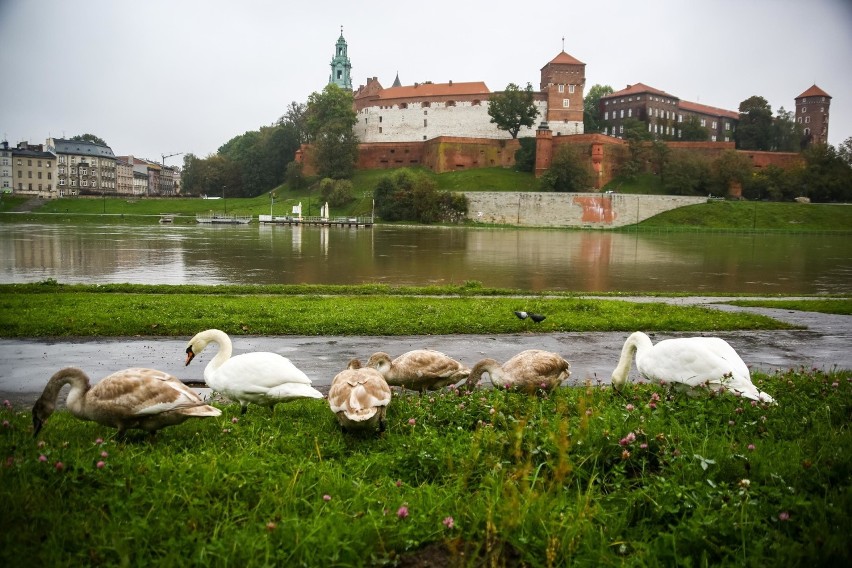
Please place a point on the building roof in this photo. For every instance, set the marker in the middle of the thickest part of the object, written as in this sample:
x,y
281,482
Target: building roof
x,y
564,58
637,89
709,110
424,90
79,147
396,82
814,91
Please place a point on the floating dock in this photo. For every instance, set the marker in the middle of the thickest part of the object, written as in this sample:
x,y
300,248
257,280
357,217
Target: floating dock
x,y
221,218
320,221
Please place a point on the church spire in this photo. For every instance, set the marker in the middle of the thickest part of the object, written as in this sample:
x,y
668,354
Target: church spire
x,y
340,65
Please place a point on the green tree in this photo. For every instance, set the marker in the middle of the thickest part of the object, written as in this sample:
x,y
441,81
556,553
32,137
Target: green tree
x,y
592,119
770,183
844,151
408,196
525,155
568,171
90,138
688,174
329,118
826,177
513,109
295,116
336,192
754,131
659,155
730,168
786,132
692,131
294,176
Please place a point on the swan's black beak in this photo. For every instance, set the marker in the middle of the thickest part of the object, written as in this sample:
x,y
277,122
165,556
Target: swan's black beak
x,y
189,355
37,424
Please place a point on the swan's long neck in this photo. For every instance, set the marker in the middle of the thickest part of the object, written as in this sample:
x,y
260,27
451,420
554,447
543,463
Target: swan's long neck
x,y
76,400
490,366
223,342
636,343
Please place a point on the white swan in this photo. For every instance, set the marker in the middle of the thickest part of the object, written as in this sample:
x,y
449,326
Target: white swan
x,y
359,397
688,361
260,377
420,369
529,371
143,399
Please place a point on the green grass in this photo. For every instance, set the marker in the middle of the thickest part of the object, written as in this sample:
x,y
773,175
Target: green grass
x,y
574,478
52,310
760,216
838,306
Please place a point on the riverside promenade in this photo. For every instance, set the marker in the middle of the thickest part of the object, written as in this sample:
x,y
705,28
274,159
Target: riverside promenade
x,y
26,365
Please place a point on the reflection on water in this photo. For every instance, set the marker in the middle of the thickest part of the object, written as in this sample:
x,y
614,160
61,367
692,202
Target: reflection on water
x,y
588,261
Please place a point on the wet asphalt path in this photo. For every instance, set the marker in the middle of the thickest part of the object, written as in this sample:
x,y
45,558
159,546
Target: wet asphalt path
x,y
25,365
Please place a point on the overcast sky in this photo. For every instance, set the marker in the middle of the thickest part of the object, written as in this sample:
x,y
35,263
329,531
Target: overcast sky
x,y
165,76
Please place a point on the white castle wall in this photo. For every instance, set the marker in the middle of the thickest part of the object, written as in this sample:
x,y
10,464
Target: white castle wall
x,y
417,123
593,210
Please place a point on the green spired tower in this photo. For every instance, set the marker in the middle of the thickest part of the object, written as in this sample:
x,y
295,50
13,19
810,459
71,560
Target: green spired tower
x,y
340,65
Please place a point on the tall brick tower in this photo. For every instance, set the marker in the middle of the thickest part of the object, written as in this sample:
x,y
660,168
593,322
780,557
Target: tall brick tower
x,y
812,108
563,81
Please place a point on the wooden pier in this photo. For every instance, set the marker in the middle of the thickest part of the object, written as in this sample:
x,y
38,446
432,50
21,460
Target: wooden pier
x,y
316,221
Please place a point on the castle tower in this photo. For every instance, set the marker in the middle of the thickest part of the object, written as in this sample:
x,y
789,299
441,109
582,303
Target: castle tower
x,y
812,114
563,81
340,65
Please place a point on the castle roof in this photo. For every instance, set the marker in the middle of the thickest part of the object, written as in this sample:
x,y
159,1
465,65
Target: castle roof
x,y
709,110
565,58
396,82
637,89
420,90
814,91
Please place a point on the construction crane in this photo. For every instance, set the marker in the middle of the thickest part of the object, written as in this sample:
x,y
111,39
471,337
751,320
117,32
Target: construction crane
x,y
169,156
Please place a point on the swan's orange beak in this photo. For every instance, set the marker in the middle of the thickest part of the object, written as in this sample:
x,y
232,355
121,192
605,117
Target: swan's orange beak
x,y
189,355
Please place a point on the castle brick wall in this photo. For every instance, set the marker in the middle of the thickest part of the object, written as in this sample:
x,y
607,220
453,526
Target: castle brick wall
x,y
589,210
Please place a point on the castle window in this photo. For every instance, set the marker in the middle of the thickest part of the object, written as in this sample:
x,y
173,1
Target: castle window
x,y
606,115
565,103
727,126
425,104
570,88
713,138
403,105
561,88
380,118
804,109
424,123
629,112
451,103
714,126
680,118
622,113
703,122
380,129
807,120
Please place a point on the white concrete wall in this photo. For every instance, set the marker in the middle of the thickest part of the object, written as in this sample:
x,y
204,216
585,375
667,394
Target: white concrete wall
x,y
593,210
462,120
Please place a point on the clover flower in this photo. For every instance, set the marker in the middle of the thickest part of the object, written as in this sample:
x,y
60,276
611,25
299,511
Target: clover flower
x,y
326,497
448,522
402,512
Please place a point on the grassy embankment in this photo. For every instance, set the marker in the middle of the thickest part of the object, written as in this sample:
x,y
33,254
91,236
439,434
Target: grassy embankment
x,y
54,310
759,216
491,478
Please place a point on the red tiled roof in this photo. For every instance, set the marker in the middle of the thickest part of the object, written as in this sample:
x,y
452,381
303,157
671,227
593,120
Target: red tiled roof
x,y
565,58
705,109
435,90
814,91
636,89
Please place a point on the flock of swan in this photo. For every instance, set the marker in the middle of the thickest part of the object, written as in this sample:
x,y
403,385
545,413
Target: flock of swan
x,y
147,399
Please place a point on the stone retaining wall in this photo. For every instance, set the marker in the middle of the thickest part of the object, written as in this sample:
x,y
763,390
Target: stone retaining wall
x,y
592,210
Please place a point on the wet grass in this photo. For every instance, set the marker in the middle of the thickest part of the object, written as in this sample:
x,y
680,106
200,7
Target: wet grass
x,y
484,479
838,306
53,310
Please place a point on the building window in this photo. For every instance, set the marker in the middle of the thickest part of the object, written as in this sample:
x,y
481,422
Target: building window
x,y
606,115
629,112
621,129
29,162
727,126
807,120
571,89
804,109
451,103
561,88
380,129
680,118
424,123
380,118
713,138
565,103
622,113
714,126
703,122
